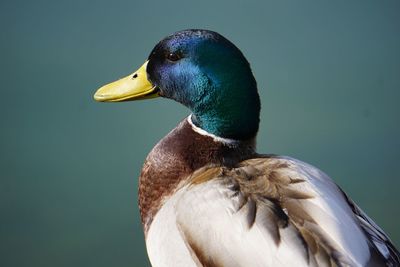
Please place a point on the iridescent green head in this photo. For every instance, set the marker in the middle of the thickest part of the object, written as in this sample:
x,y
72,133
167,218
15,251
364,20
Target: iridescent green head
x,y
208,74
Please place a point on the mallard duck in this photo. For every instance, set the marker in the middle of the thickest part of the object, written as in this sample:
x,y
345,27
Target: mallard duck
x,y
207,198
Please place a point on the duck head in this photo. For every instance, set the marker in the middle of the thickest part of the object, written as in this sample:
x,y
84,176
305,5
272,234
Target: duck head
x,y
203,71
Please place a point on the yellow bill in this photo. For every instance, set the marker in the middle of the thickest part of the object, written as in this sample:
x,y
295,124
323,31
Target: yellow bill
x,y
133,87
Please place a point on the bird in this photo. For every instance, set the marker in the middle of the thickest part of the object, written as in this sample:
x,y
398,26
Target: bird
x,y
208,198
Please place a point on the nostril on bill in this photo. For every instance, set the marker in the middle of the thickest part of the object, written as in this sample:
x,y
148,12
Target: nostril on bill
x,y
134,76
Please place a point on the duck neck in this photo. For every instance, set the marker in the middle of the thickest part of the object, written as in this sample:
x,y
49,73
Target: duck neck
x,y
238,120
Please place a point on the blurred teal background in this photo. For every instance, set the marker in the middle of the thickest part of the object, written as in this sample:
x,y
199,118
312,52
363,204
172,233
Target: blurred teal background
x,y
328,74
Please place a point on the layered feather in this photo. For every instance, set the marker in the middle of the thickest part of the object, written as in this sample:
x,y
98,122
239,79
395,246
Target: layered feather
x,y
267,211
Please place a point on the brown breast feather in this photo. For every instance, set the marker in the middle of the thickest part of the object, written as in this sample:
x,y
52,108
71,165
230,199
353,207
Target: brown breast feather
x,y
177,156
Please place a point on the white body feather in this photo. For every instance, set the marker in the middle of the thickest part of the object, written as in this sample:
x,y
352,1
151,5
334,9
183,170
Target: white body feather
x,y
206,212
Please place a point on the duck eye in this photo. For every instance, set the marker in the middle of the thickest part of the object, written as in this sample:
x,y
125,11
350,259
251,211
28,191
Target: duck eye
x,y
174,56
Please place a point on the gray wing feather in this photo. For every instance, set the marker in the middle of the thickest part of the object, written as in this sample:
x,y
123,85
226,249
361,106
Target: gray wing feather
x,y
378,239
